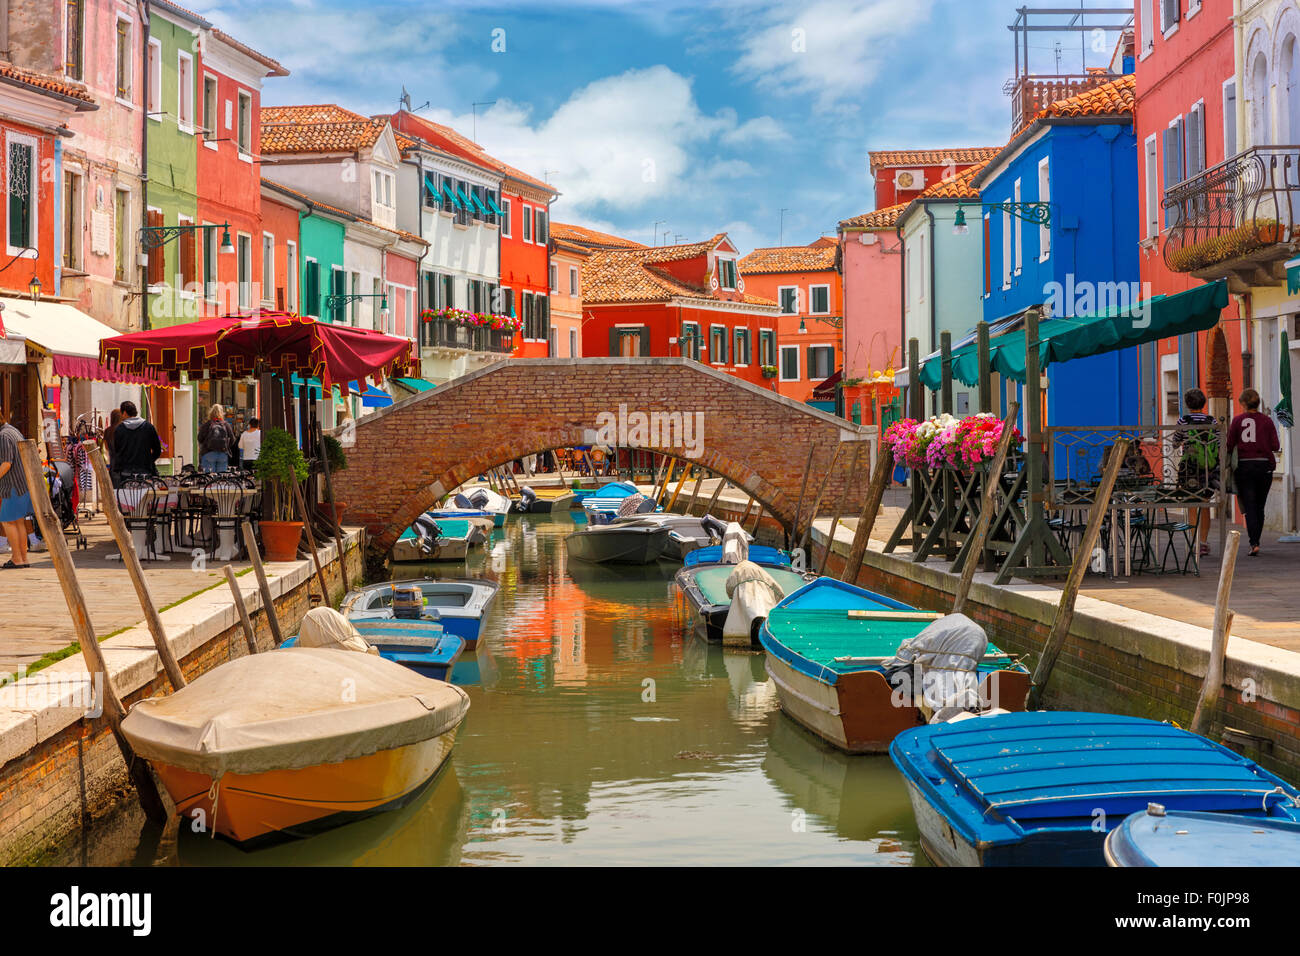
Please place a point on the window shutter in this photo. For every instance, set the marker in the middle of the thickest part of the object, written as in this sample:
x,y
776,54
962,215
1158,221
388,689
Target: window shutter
x,y
187,247
613,342
157,256
645,341
1173,153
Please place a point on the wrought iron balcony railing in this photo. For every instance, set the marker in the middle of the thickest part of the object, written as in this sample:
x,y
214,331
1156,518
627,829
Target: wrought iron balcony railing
x,y
1238,219
445,333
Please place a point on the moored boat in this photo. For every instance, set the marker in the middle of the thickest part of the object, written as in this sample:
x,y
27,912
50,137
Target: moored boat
x,y
758,553
486,499
414,640
541,501
437,540
703,589
1160,837
831,651
265,746
1045,788
624,543
686,533
602,505
462,606
478,518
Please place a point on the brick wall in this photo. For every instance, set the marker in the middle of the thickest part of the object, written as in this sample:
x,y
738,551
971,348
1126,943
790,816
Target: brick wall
x,y
410,454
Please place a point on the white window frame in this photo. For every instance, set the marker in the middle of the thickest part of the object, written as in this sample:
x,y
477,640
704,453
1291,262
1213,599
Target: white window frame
x,y
988,252
1230,118
129,99
574,288
319,296
211,248
505,217
184,220
812,309
527,233
1019,225
211,128
1045,196
1166,29
244,154
153,103
735,266
78,205
780,290
124,230
1193,8
715,328
749,346
922,260
182,89
1149,30
539,212
1006,249
240,286
821,345
268,272
780,363
34,185
553,276
291,275
1151,187
573,343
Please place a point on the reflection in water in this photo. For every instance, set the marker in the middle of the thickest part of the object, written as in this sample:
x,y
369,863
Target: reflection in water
x,y
598,732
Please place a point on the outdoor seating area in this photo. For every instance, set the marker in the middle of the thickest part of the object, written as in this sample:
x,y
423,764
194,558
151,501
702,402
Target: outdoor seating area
x,y
197,512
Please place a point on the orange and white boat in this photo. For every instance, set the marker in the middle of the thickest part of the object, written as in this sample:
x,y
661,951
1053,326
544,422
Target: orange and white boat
x,y
287,743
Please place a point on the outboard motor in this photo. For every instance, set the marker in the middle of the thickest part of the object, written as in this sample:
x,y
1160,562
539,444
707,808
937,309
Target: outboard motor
x,y
716,527
526,498
941,665
735,544
463,503
753,594
408,602
631,505
427,530
479,499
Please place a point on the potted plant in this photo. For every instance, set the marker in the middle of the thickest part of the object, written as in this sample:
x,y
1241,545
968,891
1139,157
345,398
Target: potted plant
x,y
279,467
769,371
338,461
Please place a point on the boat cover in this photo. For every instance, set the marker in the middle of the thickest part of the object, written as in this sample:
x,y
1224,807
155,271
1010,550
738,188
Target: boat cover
x,y
293,708
753,594
735,544
326,627
943,660
635,504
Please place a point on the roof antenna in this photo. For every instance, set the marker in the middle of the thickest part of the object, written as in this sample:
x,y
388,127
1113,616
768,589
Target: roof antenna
x,y
405,102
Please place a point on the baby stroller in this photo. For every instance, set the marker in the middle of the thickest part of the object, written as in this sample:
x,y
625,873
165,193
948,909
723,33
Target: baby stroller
x,y
62,483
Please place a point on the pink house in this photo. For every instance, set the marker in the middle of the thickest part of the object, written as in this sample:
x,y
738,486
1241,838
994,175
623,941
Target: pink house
x,y
871,258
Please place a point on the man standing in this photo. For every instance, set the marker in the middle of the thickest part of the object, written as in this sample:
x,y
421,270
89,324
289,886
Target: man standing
x,y
136,446
15,502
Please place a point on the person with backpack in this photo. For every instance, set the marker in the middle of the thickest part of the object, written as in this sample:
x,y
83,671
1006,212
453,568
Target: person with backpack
x,y
216,442
1253,437
1198,466
136,445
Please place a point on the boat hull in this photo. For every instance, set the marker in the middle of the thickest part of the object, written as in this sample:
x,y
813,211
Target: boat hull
x,y
407,550
546,503
617,546
283,804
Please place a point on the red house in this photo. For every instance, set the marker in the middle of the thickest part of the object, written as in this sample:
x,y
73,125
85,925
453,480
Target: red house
x,y
673,300
903,174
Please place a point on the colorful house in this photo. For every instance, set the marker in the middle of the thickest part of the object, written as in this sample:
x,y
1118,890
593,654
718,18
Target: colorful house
x,y
902,175
567,260
805,282
871,261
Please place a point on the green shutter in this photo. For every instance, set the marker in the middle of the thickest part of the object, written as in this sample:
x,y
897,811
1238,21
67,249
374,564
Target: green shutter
x,y
613,342
645,341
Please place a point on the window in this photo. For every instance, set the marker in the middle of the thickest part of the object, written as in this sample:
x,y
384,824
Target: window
x,y
789,363
490,200
1230,118
73,57
311,288
125,60
185,92
354,289
821,362
988,258
21,191
820,299
338,289
1006,249
767,347
540,233
156,270
1169,14
788,295
922,259
555,277
573,280
629,341
291,276
447,299
186,264
268,268
211,239
505,217
573,343
1151,189
210,119
727,273
1195,148
1019,226
718,344
122,244
528,223
508,302
1148,26
1044,195
690,340
154,104
244,249
245,128
72,219
1173,165
741,354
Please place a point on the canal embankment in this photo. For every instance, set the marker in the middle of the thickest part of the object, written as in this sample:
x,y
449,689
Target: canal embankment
x,y
60,769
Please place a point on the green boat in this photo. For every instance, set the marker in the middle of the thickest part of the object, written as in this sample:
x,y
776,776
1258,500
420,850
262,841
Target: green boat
x,y
443,539
703,588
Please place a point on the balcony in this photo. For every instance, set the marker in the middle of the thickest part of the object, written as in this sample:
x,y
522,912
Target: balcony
x,y
448,334
1031,94
1237,220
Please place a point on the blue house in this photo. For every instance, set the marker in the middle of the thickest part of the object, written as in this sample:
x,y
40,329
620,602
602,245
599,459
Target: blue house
x,y
1080,157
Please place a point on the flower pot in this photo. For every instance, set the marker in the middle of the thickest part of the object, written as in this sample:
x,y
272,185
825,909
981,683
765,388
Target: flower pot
x,y
281,539
333,511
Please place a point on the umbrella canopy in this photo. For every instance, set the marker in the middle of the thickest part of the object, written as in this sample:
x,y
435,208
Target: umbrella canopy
x,y
252,343
1285,414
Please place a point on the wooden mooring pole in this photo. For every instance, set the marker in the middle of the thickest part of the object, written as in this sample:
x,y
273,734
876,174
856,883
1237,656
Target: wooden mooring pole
x,y
263,586
1078,568
981,531
1213,685
792,535
52,531
870,508
334,511
839,505
249,635
817,500
311,543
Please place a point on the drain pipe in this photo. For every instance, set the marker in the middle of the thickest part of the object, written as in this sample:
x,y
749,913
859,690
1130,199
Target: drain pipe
x,y
144,10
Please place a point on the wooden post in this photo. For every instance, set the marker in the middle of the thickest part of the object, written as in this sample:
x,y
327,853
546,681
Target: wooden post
x,y
792,536
145,787
242,608
1034,434
985,366
695,493
668,478
268,605
1078,567
839,505
981,531
748,506
916,410
717,490
334,511
870,508
1213,685
131,561
945,364
817,499
659,462
686,470
311,543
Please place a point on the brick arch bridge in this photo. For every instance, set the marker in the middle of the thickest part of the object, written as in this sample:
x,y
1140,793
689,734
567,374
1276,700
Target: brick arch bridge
x,y
408,455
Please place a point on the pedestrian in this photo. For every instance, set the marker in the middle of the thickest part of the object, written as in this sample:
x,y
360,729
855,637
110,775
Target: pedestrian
x,y
15,501
216,442
1253,437
250,444
114,419
136,445
1198,465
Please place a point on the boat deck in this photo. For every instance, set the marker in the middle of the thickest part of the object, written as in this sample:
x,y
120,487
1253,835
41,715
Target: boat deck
x,y
712,581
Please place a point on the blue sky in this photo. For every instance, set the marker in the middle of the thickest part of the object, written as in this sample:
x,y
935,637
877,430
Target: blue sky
x,y
709,116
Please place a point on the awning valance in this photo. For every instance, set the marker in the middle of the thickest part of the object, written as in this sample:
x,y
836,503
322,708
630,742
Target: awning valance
x,y
1063,339
71,337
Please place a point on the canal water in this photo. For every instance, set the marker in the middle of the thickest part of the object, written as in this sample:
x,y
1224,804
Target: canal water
x,y
599,732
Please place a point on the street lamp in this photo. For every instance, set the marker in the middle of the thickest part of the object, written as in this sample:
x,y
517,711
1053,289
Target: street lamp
x,y
34,287
1038,213
226,245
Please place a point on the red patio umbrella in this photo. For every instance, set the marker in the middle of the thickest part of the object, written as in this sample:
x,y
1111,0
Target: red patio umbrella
x,y
252,343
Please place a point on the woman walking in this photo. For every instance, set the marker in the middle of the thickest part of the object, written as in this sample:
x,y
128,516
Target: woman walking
x,y
15,502
216,442
1254,438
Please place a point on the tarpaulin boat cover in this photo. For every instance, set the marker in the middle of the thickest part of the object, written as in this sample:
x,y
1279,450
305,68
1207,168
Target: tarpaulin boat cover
x,y
735,544
944,658
292,708
326,627
753,594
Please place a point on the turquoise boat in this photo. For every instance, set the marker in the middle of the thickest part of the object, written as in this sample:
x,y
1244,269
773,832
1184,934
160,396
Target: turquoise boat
x,y
419,644
703,588
437,539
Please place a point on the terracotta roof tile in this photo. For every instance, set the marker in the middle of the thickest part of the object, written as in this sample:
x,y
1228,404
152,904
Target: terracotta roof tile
x,y
325,128
885,218
592,239
634,274
960,156
47,84
472,151
273,66
955,187
1109,99
818,258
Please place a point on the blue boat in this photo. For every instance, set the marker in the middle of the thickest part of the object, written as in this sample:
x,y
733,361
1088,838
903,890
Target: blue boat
x,y
1045,788
828,648
421,645
461,605
1156,837
758,553
601,506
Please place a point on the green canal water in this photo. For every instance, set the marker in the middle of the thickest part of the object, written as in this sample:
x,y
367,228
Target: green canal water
x,y
599,732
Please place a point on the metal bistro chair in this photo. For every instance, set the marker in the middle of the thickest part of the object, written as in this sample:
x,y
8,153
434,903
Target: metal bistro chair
x,y
229,503
138,498
1173,529
190,516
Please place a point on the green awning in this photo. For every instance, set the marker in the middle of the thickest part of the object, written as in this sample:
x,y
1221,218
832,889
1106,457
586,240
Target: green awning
x,y
1063,339
430,185
478,204
451,195
415,384
464,198
1293,276
493,203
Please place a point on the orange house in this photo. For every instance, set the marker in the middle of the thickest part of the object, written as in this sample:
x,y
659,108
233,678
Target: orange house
x,y
805,283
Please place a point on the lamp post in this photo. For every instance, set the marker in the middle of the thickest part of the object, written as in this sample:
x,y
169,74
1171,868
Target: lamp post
x,y
154,237
1038,213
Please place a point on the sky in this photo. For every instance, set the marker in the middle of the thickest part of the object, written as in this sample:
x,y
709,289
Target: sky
x,y
670,120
